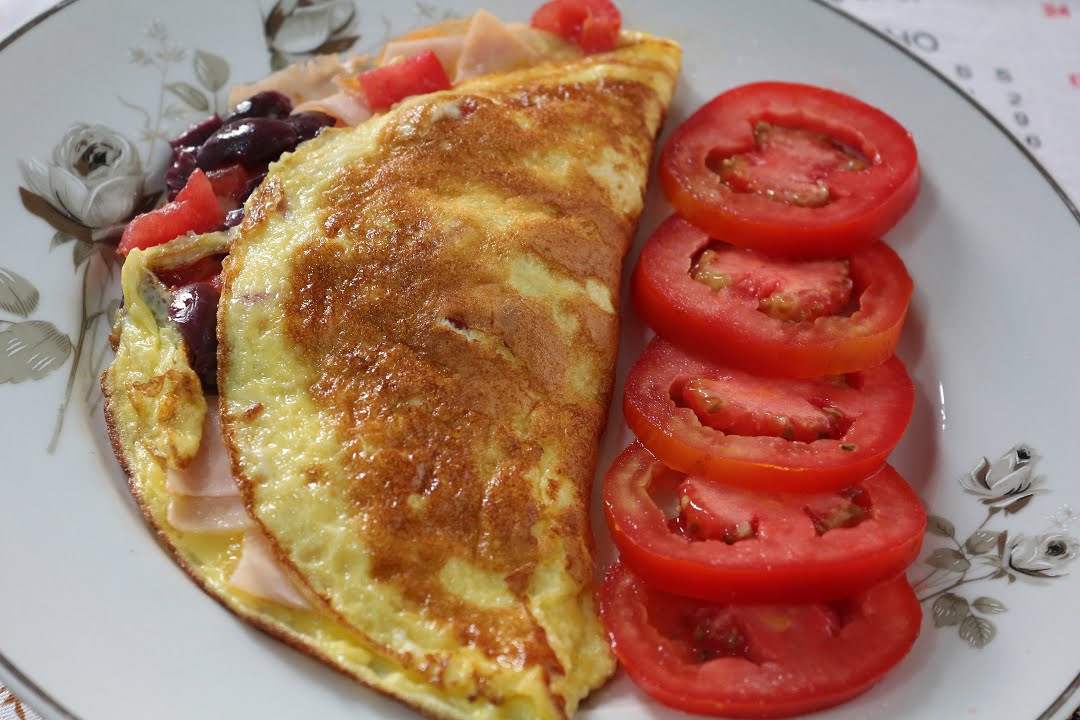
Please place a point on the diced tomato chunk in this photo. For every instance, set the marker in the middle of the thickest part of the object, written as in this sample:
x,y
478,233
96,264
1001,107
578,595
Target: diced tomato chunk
x,y
230,182
415,75
592,24
195,209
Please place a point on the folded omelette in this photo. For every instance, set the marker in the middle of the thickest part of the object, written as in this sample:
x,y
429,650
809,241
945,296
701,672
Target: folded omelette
x,y
417,337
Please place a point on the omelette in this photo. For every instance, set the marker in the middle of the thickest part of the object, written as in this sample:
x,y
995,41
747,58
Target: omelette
x,y
417,336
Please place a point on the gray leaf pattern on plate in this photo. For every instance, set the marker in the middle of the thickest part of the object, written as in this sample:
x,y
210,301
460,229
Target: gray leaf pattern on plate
x,y
1004,486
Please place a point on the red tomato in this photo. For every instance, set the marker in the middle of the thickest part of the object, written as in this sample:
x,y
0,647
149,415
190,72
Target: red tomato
x,y
592,24
770,316
194,210
230,182
415,75
789,435
791,169
756,661
817,547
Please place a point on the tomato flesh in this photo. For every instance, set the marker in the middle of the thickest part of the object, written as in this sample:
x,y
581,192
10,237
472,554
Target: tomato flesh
x,y
753,411
791,290
667,404
230,183
592,24
817,547
788,166
415,75
783,318
195,210
791,169
756,661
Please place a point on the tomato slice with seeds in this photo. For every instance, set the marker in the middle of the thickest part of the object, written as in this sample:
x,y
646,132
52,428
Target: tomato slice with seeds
x,y
724,424
787,318
791,169
817,547
756,661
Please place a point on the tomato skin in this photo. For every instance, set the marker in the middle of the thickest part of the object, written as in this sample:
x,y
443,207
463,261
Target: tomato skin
x,y
728,327
194,210
804,566
867,203
415,75
592,24
230,182
879,412
791,660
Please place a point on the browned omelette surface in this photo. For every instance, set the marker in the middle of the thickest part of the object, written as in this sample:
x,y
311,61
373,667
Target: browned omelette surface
x,y
418,335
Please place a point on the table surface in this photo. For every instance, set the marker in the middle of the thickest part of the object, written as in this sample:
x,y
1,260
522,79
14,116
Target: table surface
x,y
1020,59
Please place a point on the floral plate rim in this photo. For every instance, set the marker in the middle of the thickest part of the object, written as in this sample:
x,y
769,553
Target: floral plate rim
x,y
42,701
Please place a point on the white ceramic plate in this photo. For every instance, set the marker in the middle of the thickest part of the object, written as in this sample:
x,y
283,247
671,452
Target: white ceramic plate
x,y
96,622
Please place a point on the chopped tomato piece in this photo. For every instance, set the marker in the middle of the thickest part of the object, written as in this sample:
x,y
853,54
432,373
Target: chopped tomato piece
x,y
195,210
770,316
230,182
592,24
780,434
416,75
789,169
817,547
756,661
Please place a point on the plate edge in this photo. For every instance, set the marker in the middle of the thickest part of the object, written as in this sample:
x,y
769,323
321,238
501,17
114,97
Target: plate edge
x,y
1024,150
1071,689
33,22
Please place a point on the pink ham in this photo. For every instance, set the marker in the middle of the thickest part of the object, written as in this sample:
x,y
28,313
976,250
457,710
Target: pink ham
x,y
344,106
209,474
446,47
258,573
208,514
303,80
490,47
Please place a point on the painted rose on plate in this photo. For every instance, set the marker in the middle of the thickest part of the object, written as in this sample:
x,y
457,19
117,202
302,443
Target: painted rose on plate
x,y
95,177
297,29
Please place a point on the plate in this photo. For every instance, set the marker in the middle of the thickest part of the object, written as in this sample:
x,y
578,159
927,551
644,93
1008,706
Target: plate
x,y
97,622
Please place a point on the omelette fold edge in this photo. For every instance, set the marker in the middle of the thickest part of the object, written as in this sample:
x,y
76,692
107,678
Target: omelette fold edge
x,y
418,331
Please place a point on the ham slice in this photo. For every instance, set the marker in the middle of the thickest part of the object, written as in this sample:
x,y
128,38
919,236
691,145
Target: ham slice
x,y
305,80
446,47
208,514
209,474
258,573
205,499
490,47
344,106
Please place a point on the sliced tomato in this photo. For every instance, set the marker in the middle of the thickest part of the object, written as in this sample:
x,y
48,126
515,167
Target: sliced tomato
x,y
791,435
787,318
756,661
415,75
817,547
791,169
194,210
591,24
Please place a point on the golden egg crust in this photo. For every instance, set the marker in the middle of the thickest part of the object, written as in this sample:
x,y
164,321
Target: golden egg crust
x,y
417,336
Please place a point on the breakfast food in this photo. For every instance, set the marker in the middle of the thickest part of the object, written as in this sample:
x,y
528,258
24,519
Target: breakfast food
x,y
767,407
418,323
